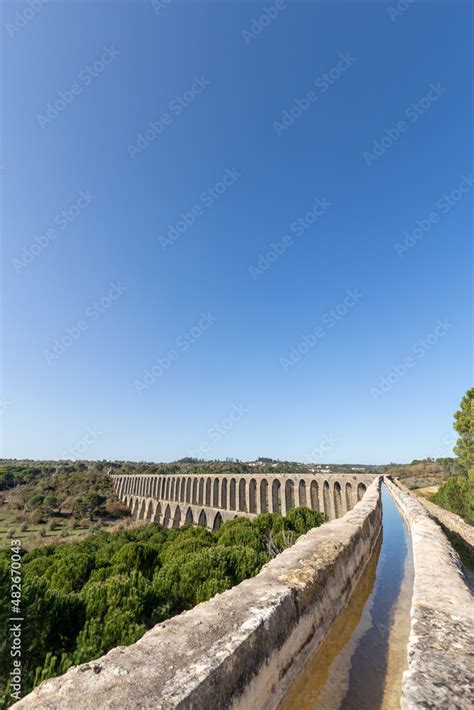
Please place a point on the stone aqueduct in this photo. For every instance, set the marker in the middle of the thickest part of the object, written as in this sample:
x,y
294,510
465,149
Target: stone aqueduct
x,y
174,500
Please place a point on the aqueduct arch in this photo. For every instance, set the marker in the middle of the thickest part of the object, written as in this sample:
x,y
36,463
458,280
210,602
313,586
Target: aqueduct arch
x,y
208,501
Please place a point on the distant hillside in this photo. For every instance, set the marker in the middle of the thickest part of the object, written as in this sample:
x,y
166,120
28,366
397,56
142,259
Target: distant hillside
x,y
423,473
45,501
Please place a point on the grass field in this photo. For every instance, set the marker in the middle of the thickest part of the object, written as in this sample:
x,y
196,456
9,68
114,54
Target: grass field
x,y
32,536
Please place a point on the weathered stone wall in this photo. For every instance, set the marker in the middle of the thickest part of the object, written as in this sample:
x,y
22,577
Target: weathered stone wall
x,y
450,522
242,648
440,670
174,500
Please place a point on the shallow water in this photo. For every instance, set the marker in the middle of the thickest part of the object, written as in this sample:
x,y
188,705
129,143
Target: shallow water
x,y
360,664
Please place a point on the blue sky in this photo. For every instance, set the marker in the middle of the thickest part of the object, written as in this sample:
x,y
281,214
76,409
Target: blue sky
x,y
235,229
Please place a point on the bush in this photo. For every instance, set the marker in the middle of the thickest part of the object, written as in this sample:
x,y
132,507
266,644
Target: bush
x,y
34,502
457,496
36,517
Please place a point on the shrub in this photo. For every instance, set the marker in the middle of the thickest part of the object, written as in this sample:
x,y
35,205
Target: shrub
x,y
457,496
24,526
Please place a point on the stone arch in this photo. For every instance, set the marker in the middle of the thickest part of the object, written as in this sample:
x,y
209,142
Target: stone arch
x,y
176,489
189,519
361,488
232,490
276,500
167,493
167,517
215,493
202,522
188,490
173,483
157,517
149,512
302,493
314,495
208,491
264,495
200,498
253,496
183,490
326,499
338,500
177,517
224,493
195,484
243,495
349,503
135,507
289,495
142,513
217,521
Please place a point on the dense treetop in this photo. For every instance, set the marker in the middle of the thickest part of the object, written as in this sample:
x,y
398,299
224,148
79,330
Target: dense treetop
x,y
82,599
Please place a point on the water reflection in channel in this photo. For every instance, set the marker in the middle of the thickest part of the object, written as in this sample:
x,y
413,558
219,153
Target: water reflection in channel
x,y
360,664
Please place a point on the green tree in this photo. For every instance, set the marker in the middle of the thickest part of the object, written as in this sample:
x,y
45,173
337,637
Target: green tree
x,y
50,504
457,495
464,425
302,519
34,502
90,504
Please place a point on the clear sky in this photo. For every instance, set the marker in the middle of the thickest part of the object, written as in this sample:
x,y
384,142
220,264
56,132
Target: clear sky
x,y
235,229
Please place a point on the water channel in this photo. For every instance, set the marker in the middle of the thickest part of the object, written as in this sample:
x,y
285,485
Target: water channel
x,y
361,662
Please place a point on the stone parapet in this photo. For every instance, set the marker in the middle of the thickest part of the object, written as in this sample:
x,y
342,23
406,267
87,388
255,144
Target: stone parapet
x,y
440,670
